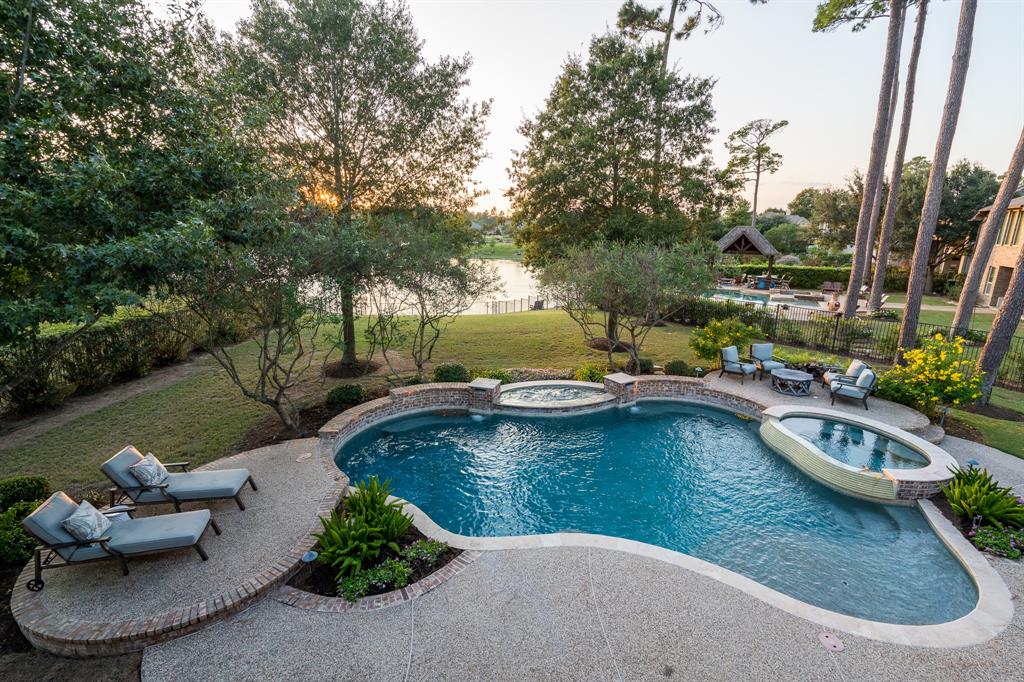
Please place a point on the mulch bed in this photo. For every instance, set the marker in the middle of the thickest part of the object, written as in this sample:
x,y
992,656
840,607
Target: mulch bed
x,y
350,370
955,427
320,578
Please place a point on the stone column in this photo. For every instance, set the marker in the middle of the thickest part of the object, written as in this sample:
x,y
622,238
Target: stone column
x,y
623,386
482,394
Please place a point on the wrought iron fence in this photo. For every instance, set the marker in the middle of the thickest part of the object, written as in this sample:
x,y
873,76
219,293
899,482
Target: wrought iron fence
x,y
866,338
521,305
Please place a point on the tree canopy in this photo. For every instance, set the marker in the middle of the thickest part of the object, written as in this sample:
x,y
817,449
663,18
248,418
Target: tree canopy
x,y
590,170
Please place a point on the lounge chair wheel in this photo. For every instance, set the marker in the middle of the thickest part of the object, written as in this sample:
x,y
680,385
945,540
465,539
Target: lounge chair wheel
x,y
35,584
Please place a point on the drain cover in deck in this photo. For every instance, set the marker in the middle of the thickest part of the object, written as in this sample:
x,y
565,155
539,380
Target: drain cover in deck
x,y
830,642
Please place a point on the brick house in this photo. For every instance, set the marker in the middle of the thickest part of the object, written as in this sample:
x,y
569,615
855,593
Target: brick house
x,y
1005,253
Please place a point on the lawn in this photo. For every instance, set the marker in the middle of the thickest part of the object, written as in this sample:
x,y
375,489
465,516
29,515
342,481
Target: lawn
x,y
498,250
1003,434
205,416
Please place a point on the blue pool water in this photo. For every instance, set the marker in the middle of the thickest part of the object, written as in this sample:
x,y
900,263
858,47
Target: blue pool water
x,y
690,479
854,445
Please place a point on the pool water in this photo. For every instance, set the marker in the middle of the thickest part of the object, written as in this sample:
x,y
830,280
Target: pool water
x,y
550,394
854,445
687,478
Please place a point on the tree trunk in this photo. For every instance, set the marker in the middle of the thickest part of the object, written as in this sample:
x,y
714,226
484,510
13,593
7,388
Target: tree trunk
x,y
348,327
891,202
876,206
1003,327
757,185
987,239
937,176
669,30
876,159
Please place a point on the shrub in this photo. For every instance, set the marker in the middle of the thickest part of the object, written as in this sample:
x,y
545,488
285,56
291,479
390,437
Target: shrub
x,y
15,544
645,366
502,375
718,334
1004,543
590,371
973,494
346,394
22,489
369,503
347,544
424,554
390,575
677,368
933,375
451,371
884,314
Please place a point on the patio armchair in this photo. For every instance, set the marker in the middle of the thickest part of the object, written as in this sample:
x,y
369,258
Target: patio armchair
x,y
732,364
183,486
850,374
764,359
126,537
858,389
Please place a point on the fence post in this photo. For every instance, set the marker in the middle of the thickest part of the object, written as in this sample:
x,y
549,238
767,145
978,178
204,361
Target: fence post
x,y
835,332
775,326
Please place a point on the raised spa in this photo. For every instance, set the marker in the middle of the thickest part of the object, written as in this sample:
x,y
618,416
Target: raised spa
x,y
552,394
855,445
691,479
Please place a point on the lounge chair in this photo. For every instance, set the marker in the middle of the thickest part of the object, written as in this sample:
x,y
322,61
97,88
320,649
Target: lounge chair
x,y
126,536
732,364
850,373
186,486
762,355
858,389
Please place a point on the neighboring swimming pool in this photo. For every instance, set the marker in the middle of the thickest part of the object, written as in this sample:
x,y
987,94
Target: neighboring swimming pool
x,y
687,478
854,445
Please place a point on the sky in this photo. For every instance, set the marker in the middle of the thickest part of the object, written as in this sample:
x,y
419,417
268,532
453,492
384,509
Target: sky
x,y
767,63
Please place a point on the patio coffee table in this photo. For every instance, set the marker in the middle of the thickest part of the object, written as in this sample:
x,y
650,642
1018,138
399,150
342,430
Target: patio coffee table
x,y
791,382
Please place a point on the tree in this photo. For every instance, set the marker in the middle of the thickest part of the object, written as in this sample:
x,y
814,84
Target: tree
x,y
789,238
835,213
587,172
97,208
892,200
354,104
937,177
750,155
876,157
987,239
636,285
1004,326
735,214
803,203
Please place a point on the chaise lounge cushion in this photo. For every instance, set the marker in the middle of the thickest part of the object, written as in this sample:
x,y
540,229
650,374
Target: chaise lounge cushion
x,y
45,522
117,467
199,485
731,362
854,371
150,534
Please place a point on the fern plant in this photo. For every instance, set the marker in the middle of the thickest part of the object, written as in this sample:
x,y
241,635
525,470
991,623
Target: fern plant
x,y
348,544
369,503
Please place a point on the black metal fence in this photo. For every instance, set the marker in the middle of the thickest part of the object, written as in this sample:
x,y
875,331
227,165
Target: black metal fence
x,y
866,338
521,305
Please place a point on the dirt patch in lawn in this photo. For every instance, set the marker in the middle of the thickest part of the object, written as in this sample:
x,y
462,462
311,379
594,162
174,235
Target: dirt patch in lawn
x,y
995,412
955,427
19,662
340,369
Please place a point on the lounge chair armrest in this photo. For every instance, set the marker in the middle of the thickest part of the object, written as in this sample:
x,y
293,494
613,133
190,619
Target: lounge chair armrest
x,y
845,379
182,465
77,543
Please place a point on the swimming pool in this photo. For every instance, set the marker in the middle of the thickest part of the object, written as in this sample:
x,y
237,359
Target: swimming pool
x,y
855,445
687,478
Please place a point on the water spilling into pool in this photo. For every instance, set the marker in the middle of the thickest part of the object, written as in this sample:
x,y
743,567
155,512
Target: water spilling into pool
x,y
855,445
550,393
690,479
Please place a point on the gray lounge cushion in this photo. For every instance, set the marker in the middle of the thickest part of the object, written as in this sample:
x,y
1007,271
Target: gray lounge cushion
x,y
86,523
730,354
855,368
45,522
762,351
116,468
149,470
769,365
150,534
866,378
849,390
199,485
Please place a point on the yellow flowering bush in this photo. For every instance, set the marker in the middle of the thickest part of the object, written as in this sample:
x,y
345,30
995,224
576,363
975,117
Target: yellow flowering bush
x,y
718,334
934,375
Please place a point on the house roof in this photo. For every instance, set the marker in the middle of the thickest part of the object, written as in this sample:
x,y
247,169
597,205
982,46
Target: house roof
x,y
1016,202
746,240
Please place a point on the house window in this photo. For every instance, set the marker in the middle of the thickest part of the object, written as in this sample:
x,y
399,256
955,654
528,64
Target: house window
x,y
1016,227
1001,237
990,280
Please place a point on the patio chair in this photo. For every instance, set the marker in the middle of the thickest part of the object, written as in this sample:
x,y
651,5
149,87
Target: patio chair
x,y
763,357
126,536
186,486
732,364
850,373
858,389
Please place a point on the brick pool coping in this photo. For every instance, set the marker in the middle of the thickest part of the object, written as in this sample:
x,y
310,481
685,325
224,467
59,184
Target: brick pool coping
x,y
67,636
301,599
991,615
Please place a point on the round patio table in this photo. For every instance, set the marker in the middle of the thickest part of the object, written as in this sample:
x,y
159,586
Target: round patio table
x,y
791,382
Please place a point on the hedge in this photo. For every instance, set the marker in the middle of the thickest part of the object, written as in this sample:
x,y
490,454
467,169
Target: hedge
x,y
122,346
812,277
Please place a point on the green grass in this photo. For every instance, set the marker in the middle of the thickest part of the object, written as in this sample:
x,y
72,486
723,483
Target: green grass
x,y
498,250
1005,435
